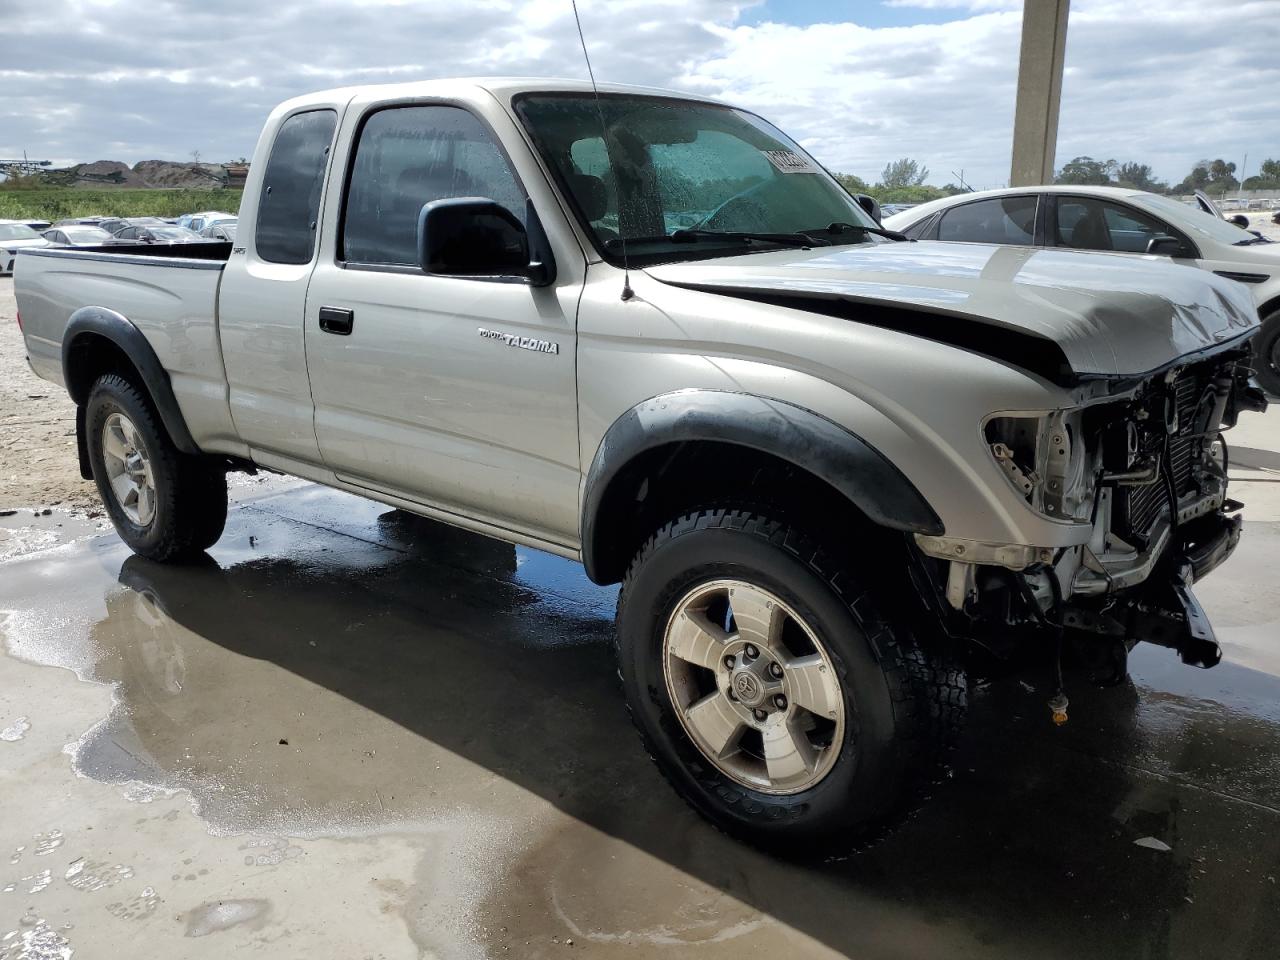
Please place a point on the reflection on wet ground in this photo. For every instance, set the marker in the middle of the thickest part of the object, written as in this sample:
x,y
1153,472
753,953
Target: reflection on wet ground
x,y
338,669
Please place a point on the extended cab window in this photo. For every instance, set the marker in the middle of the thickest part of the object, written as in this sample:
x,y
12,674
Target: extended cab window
x,y
407,157
290,200
998,220
1088,224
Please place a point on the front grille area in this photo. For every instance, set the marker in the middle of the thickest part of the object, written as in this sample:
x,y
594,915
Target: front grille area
x,y
1140,507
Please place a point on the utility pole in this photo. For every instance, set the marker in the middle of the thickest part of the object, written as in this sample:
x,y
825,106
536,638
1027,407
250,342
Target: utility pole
x,y
1035,117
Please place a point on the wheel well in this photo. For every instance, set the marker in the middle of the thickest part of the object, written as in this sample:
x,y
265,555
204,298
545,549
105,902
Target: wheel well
x,y
90,356
665,481
1270,307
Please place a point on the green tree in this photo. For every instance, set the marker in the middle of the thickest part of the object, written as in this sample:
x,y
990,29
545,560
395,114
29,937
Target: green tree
x,y
1086,171
1140,177
903,173
852,182
1197,179
1222,174
1267,177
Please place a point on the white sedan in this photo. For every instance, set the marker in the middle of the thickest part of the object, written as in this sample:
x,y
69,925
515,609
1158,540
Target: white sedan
x,y
1116,220
14,235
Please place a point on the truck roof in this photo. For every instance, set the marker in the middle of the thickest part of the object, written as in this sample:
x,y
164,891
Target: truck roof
x,y
503,88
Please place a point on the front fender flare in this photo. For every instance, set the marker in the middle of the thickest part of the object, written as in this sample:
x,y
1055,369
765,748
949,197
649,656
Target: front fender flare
x,y
799,436
101,322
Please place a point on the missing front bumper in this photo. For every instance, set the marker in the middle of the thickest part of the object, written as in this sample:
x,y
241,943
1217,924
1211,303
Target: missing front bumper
x,y
1164,610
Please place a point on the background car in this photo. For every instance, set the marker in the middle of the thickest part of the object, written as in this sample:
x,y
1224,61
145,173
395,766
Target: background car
x,y
1116,220
220,230
198,221
14,235
92,221
115,224
159,233
80,235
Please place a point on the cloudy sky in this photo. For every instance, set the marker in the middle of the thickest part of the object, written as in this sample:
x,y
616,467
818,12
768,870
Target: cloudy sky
x,y
862,82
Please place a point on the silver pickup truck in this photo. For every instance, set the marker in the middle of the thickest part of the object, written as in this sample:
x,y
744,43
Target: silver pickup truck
x,y
831,467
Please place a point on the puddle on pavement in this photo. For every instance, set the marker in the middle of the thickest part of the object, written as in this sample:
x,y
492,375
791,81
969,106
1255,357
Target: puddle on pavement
x,y
272,737
25,530
336,668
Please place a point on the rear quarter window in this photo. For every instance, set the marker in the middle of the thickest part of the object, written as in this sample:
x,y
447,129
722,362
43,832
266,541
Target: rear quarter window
x,y
289,202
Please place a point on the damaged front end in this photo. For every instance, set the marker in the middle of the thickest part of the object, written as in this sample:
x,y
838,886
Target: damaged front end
x,y
1144,465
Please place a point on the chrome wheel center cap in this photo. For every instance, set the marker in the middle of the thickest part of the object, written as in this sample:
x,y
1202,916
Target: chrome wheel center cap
x,y
748,688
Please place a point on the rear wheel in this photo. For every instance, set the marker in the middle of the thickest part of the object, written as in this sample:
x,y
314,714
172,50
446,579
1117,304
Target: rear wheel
x,y
772,694
166,505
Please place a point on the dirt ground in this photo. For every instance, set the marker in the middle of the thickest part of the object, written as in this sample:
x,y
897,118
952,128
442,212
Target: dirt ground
x,y
38,467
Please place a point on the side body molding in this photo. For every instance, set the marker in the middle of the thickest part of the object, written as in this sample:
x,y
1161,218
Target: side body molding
x,y
89,322
794,434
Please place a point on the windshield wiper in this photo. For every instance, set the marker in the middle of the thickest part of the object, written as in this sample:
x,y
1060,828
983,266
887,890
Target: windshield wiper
x,y
739,236
841,227
1258,238
747,236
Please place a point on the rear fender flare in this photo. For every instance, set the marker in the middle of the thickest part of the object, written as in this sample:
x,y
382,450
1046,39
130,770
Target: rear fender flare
x,y
90,322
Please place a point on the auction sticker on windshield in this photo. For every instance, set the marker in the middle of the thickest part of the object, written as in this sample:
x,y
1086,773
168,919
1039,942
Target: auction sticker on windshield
x,y
785,161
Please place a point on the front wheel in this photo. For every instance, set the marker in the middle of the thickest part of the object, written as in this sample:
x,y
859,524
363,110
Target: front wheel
x,y
166,505
1266,354
771,692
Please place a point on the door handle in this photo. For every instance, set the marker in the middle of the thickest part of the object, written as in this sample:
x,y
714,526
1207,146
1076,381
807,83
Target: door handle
x,y
337,320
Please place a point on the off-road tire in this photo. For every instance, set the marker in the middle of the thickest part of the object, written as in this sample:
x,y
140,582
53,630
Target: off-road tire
x,y
903,705
1266,354
191,492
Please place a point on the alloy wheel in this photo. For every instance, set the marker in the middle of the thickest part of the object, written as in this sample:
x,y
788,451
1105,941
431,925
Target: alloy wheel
x,y
753,687
128,469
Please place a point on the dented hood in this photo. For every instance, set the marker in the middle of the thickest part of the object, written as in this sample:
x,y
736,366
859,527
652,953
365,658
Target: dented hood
x,y
1100,315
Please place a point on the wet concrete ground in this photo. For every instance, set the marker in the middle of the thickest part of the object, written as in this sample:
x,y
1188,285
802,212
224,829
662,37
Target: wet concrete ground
x,y
356,733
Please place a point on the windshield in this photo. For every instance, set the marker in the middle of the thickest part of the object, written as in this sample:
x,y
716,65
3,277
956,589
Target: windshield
x,y
682,165
1192,219
17,231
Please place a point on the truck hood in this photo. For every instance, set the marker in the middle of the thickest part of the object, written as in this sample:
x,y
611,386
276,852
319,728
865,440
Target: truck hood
x,y
1086,314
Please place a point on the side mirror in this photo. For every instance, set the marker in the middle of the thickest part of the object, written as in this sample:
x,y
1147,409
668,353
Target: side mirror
x,y
869,204
478,237
1240,220
1164,246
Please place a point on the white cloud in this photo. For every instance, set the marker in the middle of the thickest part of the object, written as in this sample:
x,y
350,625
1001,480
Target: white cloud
x,y
972,5
1166,82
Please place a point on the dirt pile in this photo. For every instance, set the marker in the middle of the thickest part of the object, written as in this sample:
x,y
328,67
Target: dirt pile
x,y
157,174
169,175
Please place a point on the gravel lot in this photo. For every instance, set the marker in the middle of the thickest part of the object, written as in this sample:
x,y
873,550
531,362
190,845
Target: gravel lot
x,y
38,467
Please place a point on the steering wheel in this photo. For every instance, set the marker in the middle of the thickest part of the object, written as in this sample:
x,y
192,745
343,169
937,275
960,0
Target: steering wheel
x,y
741,202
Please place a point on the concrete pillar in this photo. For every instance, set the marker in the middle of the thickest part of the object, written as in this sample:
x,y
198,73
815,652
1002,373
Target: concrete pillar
x,y
1035,118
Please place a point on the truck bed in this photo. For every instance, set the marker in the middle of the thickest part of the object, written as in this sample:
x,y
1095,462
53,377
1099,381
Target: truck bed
x,y
169,293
